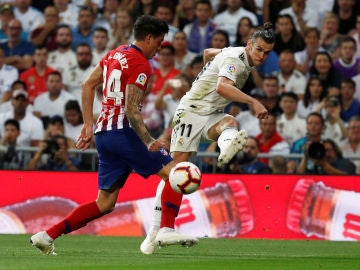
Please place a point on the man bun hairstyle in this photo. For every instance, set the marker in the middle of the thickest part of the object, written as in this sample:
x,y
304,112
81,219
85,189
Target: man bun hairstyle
x,y
266,33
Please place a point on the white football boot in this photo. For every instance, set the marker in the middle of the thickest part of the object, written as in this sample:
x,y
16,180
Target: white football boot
x,y
43,241
167,236
148,245
237,144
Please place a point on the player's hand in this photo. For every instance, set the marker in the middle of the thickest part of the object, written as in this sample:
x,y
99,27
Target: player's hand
x,y
156,145
84,140
260,111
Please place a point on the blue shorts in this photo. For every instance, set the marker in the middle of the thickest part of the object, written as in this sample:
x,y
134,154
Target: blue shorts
x,y
120,152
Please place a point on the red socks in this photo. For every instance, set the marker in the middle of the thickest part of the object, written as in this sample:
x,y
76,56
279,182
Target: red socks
x,y
76,219
170,205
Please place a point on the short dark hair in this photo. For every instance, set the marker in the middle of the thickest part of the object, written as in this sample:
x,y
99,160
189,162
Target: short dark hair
x,y
149,25
19,82
266,33
55,73
317,114
12,122
290,95
101,29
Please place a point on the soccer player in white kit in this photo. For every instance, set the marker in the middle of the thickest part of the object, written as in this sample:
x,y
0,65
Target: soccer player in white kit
x,y
200,116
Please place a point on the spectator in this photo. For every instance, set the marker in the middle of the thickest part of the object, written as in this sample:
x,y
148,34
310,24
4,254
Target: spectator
x,y
63,58
76,74
332,161
122,31
200,31
247,160
270,140
335,127
106,18
144,7
100,41
18,52
356,79
248,120
287,37
290,79
73,119
220,39
167,103
228,19
31,128
46,34
315,126
289,125
303,17
183,56
278,164
165,11
351,145
346,11
271,96
53,155
324,69
329,35
347,65
29,16
185,13
315,93
84,30
56,126
271,9
6,15
304,58
53,101
350,106
356,36
7,105
153,119
244,30
35,77
195,67
8,75
166,68
68,12
10,157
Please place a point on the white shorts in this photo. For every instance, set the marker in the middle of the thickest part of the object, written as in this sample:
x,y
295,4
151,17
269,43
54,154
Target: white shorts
x,y
189,129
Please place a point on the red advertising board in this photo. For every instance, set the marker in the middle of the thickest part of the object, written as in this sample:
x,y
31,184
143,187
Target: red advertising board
x,y
249,206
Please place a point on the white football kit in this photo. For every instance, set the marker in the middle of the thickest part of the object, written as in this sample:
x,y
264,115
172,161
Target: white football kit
x,y
202,107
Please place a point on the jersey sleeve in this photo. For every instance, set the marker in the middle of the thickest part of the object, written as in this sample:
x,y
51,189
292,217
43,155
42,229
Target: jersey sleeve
x,y
140,75
231,68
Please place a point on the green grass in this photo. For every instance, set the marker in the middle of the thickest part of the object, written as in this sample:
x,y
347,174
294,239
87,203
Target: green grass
x,y
92,252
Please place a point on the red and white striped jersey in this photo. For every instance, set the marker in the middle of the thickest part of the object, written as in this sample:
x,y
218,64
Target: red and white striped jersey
x,y
122,66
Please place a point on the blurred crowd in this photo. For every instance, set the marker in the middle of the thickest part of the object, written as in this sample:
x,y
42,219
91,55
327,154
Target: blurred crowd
x,y
310,83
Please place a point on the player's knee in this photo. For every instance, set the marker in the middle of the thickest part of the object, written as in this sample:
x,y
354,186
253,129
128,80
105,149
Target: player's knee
x,y
230,121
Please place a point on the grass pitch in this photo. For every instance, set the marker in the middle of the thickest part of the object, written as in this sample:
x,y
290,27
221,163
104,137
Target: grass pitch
x,y
83,252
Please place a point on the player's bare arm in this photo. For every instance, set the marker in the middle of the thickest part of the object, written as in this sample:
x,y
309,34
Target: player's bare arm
x,y
87,99
134,97
226,88
210,53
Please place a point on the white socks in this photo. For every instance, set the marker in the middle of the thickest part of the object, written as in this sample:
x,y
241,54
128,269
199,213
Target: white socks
x,y
156,215
225,137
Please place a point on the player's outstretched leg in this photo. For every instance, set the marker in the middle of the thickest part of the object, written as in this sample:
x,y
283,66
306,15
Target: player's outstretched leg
x,y
230,146
43,242
170,205
148,245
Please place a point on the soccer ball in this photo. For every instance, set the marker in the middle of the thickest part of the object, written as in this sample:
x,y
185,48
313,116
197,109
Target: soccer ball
x,y
185,177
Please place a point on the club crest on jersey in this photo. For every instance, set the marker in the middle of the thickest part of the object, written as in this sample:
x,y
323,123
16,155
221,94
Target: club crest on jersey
x,y
141,79
164,152
231,69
